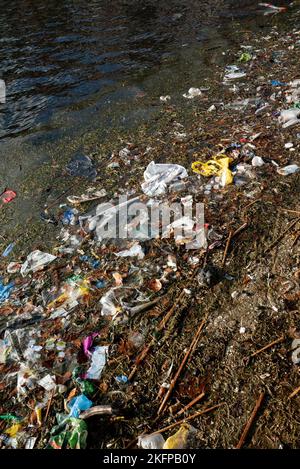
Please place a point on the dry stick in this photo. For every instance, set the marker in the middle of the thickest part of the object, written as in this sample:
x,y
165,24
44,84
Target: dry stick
x,y
193,416
280,339
174,380
188,406
282,235
226,248
294,392
250,421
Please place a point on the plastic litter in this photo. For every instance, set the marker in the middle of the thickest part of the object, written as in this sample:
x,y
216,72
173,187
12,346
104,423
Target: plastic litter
x,y
296,351
272,9
36,260
70,433
8,249
158,176
153,441
287,170
245,57
87,344
99,357
289,117
218,166
257,161
78,404
233,73
7,196
135,251
5,290
165,99
180,439
277,83
122,379
2,92
192,93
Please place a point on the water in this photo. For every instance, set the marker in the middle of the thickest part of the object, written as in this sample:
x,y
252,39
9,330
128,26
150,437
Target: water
x,y
64,57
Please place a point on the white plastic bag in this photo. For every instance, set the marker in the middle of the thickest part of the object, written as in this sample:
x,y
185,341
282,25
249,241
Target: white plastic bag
x,y
158,176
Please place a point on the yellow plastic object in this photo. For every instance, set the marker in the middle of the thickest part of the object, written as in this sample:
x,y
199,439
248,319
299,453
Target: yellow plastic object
x,y
179,439
218,166
13,430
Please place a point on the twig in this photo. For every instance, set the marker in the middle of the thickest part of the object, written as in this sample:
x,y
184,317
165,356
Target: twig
x,y
238,230
185,358
280,339
250,421
290,211
282,235
193,416
294,392
188,406
226,247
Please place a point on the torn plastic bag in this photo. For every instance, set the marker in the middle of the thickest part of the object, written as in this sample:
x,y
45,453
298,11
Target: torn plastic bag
x,y
36,260
158,176
82,166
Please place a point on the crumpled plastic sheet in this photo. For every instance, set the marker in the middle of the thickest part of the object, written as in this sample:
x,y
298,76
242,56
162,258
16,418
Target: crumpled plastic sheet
x,y
36,260
158,176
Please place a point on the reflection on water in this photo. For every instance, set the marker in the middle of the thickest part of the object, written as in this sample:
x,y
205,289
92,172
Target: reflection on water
x,y
66,55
